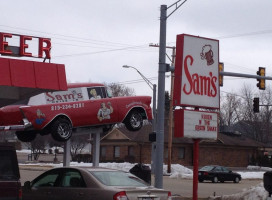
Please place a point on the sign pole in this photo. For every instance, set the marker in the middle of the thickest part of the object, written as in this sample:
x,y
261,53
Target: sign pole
x,y
195,175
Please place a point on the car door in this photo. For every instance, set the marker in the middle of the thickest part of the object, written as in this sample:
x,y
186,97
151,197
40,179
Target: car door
x,y
218,172
44,187
73,186
100,110
228,176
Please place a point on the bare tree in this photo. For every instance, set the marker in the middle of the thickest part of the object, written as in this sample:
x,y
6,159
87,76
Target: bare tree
x,y
260,122
120,90
266,113
78,142
230,109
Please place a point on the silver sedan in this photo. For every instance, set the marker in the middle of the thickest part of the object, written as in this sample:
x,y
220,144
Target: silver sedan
x,y
70,183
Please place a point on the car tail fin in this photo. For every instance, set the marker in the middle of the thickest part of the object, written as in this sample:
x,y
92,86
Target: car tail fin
x,y
120,196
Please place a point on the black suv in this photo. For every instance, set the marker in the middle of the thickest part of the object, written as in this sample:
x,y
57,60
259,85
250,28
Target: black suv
x,y
10,185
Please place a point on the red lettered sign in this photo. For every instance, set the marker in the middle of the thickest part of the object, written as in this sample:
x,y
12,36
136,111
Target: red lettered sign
x,y
196,72
43,45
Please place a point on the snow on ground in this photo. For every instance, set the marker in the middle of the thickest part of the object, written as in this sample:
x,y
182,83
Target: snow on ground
x,y
254,193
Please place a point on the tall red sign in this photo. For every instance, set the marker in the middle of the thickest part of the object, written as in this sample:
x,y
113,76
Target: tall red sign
x,y
196,72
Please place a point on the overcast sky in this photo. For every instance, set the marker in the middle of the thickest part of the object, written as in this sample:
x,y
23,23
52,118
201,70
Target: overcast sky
x,y
94,39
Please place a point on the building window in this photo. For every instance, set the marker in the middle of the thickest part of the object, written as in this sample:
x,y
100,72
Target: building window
x,y
131,151
103,151
116,152
181,153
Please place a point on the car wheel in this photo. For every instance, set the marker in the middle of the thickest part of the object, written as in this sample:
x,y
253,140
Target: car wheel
x,y
26,136
200,180
61,130
134,121
236,180
215,180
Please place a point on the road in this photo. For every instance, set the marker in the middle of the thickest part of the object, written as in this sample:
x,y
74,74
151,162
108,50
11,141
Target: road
x,y
182,187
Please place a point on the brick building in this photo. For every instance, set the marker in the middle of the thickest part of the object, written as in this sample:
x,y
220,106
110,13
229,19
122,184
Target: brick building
x,y
232,150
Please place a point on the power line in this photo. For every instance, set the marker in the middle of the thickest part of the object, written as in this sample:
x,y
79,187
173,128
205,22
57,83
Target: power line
x,y
245,34
76,39
96,52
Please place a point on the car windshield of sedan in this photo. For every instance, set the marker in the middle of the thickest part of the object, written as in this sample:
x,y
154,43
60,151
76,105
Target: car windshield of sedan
x,y
206,168
116,178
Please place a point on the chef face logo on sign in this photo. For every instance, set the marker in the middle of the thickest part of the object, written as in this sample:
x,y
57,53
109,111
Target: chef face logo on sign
x,y
207,54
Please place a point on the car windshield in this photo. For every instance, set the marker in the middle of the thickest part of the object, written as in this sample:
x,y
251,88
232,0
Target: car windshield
x,y
206,168
118,178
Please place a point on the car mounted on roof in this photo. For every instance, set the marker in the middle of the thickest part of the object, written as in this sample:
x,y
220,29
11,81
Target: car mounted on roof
x,y
82,105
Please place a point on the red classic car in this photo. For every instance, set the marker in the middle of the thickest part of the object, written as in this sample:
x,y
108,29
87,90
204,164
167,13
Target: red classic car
x,y
82,105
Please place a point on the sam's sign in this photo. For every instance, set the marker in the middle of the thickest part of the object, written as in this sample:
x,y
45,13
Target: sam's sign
x,y
43,45
196,72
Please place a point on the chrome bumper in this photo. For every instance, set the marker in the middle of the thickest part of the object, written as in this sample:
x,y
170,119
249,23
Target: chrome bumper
x,y
26,125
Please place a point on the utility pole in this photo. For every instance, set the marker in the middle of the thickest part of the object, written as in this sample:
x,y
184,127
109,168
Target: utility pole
x,y
170,123
161,94
170,128
161,100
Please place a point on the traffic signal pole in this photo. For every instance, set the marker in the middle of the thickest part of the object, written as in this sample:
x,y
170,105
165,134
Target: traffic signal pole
x,y
245,75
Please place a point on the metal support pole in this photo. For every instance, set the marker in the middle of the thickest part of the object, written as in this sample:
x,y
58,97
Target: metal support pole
x,y
96,149
195,175
161,101
67,154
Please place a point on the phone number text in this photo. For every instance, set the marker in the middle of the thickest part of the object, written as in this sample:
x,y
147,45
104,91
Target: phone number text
x,y
67,106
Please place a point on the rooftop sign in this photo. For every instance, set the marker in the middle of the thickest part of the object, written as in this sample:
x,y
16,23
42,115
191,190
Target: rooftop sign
x,y
43,45
196,72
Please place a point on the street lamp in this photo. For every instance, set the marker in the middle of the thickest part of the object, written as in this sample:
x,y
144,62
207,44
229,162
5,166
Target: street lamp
x,y
153,87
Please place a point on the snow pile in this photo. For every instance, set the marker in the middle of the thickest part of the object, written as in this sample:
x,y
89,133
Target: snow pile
x,y
120,166
178,171
251,175
254,193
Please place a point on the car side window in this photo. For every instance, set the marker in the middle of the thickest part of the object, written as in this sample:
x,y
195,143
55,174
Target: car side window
x,y
103,92
225,169
48,180
218,169
72,179
95,93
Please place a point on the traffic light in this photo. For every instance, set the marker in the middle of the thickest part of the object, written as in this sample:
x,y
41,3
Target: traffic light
x,y
221,69
261,84
256,104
